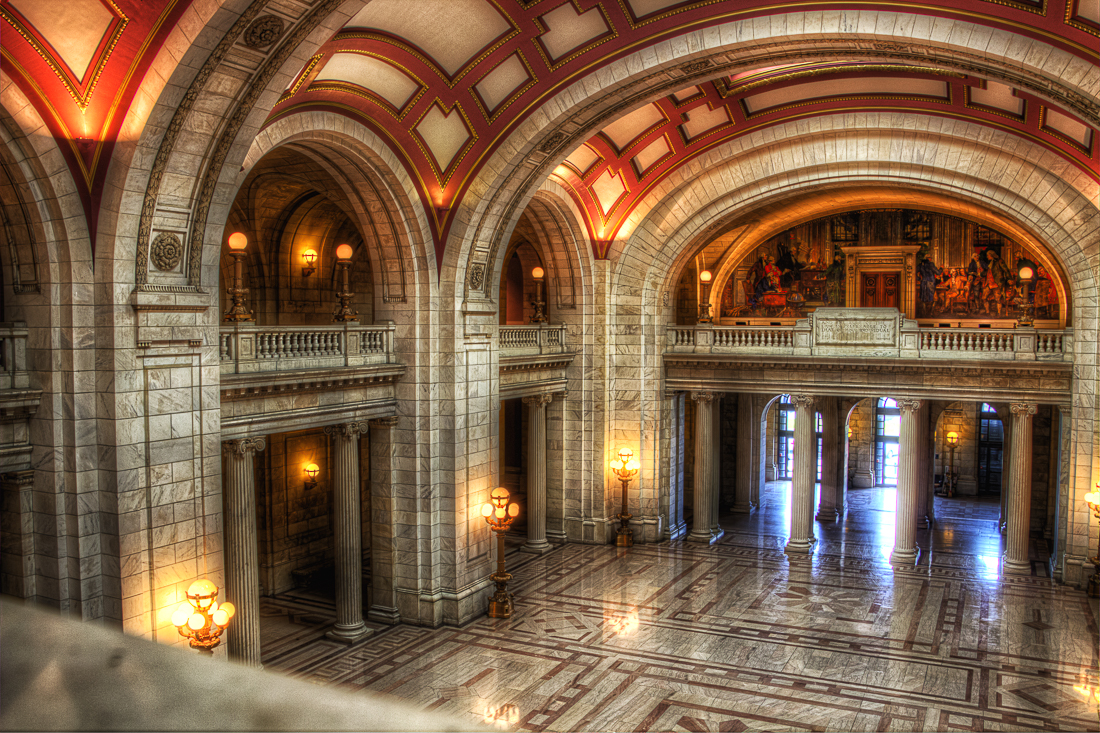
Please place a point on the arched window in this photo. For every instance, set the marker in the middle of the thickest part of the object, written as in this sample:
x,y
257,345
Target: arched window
x,y
819,430
990,450
887,432
784,461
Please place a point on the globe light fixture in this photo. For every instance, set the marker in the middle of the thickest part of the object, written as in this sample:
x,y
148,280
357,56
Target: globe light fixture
x,y
343,312
499,513
202,619
950,479
1093,500
538,274
238,311
1023,299
626,470
704,302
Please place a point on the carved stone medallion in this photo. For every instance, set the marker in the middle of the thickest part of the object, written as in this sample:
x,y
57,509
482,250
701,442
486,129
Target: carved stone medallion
x,y
167,251
263,32
477,276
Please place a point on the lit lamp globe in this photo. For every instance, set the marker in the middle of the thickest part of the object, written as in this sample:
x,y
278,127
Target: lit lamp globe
x,y
1026,273
705,276
344,252
952,438
237,241
1093,500
625,454
538,273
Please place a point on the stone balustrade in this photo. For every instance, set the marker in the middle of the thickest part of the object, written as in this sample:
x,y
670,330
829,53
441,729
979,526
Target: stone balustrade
x,y
247,347
535,339
13,356
872,332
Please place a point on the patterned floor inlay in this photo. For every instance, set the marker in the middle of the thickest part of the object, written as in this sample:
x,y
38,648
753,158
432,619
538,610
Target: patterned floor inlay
x,y
736,637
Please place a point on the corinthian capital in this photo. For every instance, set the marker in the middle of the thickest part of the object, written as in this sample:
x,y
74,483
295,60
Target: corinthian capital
x,y
705,397
539,400
803,400
346,430
908,405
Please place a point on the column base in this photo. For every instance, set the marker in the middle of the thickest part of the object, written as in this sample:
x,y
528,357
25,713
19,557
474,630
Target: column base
x,y
384,615
676,531
800,547
540,547
716,533
904,557
1015,567
704,537
349,636
744,507
827,515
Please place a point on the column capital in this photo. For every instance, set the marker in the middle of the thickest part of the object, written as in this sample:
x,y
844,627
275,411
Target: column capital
x,y
1024,409
803,400
906,405
346,430
538,400
241,447
706,397
384,422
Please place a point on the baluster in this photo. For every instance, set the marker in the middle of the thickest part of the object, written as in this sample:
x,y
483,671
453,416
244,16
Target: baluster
x,y
263,345
223,347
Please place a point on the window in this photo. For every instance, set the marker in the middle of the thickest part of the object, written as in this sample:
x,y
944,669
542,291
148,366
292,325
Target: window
x,y
887,432
784,468
818,433
990,450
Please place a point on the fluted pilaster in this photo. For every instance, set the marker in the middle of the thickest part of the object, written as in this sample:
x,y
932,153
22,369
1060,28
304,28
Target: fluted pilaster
x,y
536,473
743,501
383,533
705,460
242,552
348,540
905,514
805,474
1018,515
830,446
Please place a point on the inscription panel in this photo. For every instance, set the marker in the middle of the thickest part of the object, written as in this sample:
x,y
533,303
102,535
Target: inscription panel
x,y
863,331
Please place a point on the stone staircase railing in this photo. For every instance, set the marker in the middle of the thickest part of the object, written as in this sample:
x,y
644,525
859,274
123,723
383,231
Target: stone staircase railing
x,y
247,347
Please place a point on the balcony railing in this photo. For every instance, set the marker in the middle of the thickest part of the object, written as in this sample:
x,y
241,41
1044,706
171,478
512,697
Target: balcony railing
x,y
13,356
248,347
525,340
912,342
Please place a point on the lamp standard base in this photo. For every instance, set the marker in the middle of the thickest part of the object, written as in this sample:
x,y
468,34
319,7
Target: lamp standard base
x,y
1093,588
501,604
625,536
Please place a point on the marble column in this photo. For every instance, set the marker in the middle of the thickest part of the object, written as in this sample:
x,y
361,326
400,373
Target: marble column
x,y
1018,517
383,533
705,459
348,540
805,475
676,527
1004,412
536,474
716,531
743,500
242,551
827,508
905,550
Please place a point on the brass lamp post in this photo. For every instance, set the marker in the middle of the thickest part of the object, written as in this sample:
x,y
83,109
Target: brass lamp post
x,y
239,312
202,619
343,311
540,305
627,470
499,513
1093,500
704,303
949,479
1026,318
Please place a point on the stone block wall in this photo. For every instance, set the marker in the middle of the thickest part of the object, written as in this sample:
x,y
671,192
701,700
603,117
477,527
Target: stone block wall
x,y
861,444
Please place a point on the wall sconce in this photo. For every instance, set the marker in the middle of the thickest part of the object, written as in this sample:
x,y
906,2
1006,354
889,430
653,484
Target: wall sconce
x,y
201,619
627,470
239,312
499,513
343,311
704,304
1023,300
540,314
311,472
310,258
850,431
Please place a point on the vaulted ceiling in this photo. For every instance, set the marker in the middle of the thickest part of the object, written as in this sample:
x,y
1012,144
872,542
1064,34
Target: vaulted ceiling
x,y
445,82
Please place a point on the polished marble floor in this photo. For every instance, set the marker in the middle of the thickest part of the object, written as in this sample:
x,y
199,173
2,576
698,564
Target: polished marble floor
x,y
737,637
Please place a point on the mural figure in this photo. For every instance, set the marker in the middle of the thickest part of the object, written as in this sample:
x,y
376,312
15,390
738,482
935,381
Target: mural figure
x,y
834,277
1044,296
995,288
928,275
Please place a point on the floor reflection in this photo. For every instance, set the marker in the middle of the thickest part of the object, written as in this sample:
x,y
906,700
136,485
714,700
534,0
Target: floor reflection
x,y
738,637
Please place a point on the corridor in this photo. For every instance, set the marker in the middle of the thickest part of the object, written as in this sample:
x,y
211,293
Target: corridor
x,y
735,636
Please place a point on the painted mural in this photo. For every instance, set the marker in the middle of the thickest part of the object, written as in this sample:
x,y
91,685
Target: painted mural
x,y
963,270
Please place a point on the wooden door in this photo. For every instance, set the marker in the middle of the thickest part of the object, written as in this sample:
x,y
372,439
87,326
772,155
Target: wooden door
x,y
880,290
